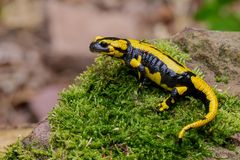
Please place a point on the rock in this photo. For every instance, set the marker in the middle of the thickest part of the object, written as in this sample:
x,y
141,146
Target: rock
x,y
40,134
44,100
183,14
19,77
72,27
25,14
109,5
76,32
236,139
223,153
218,52
11,62
17,67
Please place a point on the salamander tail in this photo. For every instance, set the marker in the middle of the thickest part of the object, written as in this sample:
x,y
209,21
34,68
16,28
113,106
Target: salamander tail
x,y
202,86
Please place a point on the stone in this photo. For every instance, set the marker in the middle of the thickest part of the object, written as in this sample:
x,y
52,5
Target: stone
x,y
72,27
236,139
25,14
218,53
40,134
44,99
79,28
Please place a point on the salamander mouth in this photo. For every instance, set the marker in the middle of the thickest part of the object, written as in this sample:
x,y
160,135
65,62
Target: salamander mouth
x,y
98,47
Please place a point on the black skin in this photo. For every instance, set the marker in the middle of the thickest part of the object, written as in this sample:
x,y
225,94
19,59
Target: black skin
x,y
169,77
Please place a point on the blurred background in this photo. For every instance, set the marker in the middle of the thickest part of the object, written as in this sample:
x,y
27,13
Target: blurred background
x,y
44,43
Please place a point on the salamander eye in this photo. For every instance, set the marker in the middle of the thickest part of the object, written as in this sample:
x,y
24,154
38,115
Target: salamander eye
x,y
103,44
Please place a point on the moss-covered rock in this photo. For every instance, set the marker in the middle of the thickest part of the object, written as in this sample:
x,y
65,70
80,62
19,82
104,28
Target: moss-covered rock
x,y
101,116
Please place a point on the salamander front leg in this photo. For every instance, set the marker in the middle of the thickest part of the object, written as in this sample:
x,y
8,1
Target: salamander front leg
x,y
142,79
141,72
175,94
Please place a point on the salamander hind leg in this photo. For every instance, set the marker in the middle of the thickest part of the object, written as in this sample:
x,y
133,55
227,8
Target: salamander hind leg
x,y
175,94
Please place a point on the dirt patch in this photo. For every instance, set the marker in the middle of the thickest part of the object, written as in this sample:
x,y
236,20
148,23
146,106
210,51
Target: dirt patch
x,y
9,135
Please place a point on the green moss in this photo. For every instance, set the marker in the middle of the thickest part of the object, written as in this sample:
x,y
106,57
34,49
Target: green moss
x,y
26,152
222,78
101,116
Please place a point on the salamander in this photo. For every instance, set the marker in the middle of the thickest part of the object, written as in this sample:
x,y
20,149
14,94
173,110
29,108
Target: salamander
x,y
156,65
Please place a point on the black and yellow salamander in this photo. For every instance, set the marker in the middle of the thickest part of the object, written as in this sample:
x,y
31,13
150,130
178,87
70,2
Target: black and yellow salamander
x,y
152,63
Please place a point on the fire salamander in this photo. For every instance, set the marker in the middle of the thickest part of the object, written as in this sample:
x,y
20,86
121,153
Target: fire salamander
x,y
152,63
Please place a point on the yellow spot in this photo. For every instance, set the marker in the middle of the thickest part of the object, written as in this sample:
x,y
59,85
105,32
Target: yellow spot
x,y
111,49
118,54
166,87
199,83
164,106
155,77
119,44
181,90
172,101
98,37
134,63
139,58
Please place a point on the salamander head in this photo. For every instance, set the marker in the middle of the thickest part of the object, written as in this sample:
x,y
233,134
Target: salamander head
x,y
111,46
